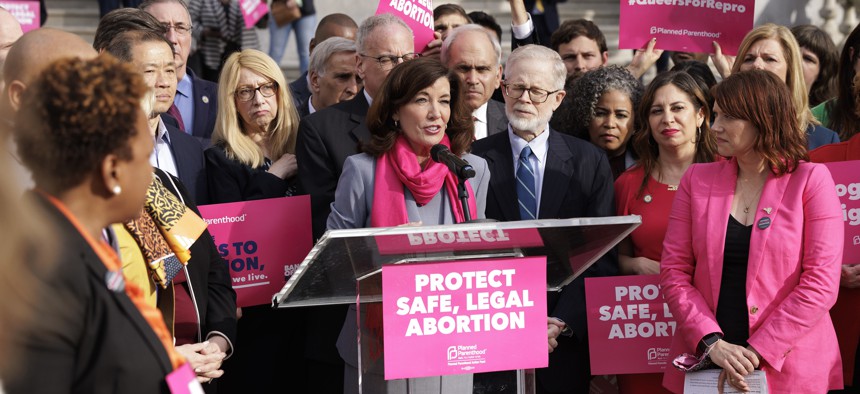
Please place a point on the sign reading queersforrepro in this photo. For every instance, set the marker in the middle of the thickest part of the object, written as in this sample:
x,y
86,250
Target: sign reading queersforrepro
x,y
464,317
685,25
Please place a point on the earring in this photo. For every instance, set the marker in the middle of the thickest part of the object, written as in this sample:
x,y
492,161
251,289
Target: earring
x,y
116,190
396,124
698,133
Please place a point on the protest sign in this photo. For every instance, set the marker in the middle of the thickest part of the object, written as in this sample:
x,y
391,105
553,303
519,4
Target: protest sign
x,y
847,179
464,317
685,25
630,327
252,11
418,14
263,242
25,12
461,240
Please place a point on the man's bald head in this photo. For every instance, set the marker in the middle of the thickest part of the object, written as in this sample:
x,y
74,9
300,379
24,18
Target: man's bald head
x,y
10,31
334,25
32,53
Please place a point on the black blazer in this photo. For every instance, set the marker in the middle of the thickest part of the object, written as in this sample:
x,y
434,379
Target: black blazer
x,y
205,108
300,90
326,138
231,181
577,182
208,274
497,121
85,338
304,108
188,155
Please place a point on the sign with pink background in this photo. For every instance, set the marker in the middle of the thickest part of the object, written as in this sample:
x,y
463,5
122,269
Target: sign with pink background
x,y
847,179
464,317
252,11
263,242
25,12
440,241
685,25
630,327
418,14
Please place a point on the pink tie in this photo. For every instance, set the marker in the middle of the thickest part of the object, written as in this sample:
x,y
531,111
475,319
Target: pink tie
x,y
174,112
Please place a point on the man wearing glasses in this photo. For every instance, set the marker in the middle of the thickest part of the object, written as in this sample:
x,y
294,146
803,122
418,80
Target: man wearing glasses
x,y
539,173
196,105
325,139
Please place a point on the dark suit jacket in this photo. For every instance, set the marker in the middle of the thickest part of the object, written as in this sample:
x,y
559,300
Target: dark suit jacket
x,y
325,139
208,274
300,90
550,13
577,182
86,338
303,108
190,165
497,121
205,108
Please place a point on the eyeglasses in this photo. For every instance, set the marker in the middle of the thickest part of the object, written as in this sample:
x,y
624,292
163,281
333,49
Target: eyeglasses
x,y
388,61
536,95
180,29
248,93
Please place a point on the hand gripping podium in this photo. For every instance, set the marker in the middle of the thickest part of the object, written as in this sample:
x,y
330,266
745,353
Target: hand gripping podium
x,y
345,267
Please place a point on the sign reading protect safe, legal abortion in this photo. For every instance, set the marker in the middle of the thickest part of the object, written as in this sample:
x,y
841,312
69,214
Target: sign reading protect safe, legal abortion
x,y
464,317
685,25
630,327
847,179
25,12
263,242
418,14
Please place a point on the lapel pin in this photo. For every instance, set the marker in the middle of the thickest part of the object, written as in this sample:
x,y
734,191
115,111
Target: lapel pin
x,y
647,198
205,99
763,223
115,281
767,210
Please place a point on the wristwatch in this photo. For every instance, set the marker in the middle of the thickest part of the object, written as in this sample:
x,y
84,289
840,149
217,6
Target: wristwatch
x,y
708,341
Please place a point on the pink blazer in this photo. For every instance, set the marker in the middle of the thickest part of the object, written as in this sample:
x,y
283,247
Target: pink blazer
x,y
792,276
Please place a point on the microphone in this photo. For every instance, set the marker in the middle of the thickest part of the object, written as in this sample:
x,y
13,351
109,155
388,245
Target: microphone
x,y
441,154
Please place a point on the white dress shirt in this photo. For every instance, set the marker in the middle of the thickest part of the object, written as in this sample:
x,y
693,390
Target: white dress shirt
x,y
480,116
162,156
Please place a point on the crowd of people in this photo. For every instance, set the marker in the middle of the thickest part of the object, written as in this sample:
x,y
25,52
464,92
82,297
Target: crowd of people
x,y
117,284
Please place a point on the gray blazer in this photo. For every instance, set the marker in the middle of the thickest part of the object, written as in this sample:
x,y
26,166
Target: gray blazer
x,y
354,196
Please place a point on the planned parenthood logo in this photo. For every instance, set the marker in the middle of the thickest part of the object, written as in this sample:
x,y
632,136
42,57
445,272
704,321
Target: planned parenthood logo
x,y
465,356
657,355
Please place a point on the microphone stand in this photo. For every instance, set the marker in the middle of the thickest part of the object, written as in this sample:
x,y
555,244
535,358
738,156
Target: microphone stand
x,y
464,199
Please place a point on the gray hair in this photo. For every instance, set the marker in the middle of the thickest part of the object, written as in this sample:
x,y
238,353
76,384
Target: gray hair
x,y
537,52
446,45
371,23
324,50
591,86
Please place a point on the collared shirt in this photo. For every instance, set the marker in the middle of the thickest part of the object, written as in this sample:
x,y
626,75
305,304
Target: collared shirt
x,y
480,116
523,31
184,101
162,156
311,108
539,147
367,96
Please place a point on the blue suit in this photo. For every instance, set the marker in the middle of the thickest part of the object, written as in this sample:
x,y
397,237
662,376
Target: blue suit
x,y
205,108
190,164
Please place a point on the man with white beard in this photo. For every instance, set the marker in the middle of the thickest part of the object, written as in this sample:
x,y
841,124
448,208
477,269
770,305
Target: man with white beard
x,y
539,173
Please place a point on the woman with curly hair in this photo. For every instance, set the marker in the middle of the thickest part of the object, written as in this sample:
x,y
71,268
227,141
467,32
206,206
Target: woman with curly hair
x,y
95,333
602,110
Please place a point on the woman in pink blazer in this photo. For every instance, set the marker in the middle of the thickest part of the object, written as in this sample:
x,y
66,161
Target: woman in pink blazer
x,y
752,254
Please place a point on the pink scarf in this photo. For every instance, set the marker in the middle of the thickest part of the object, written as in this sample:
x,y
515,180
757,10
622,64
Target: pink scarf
x,y
398,167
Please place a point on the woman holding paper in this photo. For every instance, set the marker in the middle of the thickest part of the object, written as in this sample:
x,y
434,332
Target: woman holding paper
x,y
395,182
752,254
773,48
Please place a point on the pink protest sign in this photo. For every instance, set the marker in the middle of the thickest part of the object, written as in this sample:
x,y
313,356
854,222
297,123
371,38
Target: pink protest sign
x,y
252,11
845,176
630,327
418,14
438,241
685,25
263,242
464,317
25,12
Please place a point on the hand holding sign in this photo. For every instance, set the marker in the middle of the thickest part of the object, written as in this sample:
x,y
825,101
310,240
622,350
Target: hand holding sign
x,y
850,277
644,58
722,62
554,327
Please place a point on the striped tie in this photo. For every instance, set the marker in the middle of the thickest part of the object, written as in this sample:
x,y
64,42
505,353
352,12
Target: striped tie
x,y
526,186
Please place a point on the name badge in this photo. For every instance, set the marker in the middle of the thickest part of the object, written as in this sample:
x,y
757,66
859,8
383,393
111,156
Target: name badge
x,y
184,381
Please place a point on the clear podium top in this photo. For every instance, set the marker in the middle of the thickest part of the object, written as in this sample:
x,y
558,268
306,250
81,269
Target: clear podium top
x,y
329,273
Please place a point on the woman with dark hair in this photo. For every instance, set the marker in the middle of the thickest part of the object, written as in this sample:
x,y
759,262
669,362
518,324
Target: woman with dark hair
x,y
395,182
95,333
820,62
839,113
602,110
703,75
753,250
673,135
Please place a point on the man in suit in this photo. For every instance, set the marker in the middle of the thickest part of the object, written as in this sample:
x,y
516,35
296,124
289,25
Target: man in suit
x,y
332,75
332,25
539,173
476,57
177,153
195,106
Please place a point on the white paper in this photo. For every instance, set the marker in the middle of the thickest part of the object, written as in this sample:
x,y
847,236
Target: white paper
x,y
705,382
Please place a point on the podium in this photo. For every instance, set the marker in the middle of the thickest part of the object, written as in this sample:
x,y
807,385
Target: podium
x,y
345,267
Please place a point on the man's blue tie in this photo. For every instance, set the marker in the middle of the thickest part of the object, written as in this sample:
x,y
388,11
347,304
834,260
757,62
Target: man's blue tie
x,y
526,186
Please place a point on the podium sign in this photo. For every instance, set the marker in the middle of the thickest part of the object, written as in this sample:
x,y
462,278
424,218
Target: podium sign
x,y
847,182
464,317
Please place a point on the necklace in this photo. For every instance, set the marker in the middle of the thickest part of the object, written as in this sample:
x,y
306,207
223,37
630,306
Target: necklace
x,y
748,202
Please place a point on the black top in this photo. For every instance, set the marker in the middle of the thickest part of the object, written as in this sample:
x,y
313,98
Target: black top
x,y
231,181
732,305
